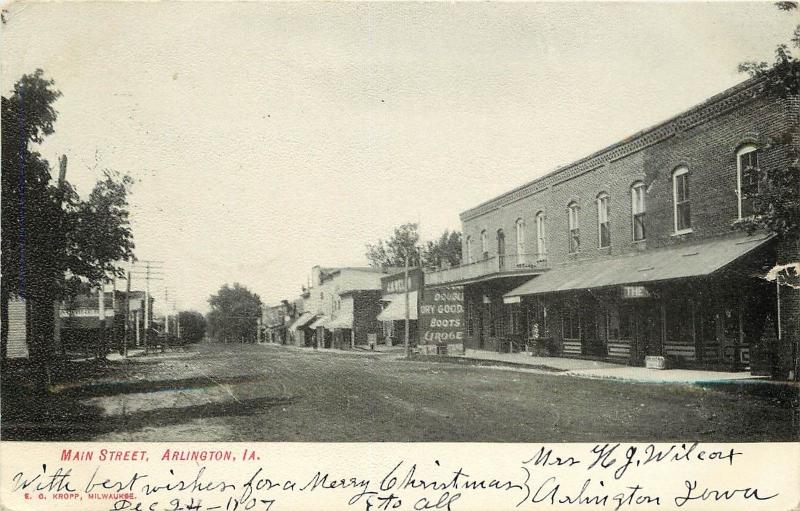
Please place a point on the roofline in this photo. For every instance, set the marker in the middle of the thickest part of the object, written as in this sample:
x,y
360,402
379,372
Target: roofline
x,y
714,100
352,291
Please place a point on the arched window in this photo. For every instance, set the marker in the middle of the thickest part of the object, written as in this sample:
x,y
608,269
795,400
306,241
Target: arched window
x,y
574,232
603,224
541,246
519,227
484,246
681,204
746,178
637,210
469,250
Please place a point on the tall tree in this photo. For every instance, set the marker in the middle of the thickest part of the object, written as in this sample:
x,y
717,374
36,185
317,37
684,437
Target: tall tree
x,y
392,252
47,230
445,251
234,314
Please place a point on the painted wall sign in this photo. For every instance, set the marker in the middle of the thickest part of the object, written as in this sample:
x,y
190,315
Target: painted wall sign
x,y
441,315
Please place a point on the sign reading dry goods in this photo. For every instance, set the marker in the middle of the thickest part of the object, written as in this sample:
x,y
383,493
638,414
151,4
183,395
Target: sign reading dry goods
x,y
441,315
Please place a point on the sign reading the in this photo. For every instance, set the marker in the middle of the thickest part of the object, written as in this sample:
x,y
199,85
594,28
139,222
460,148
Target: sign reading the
x,y
441,315
635,292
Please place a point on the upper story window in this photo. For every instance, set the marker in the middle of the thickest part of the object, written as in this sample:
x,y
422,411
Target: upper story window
x,y
541,246
638,211
469,250
519,228
484,246
574,232
746,178
681,204
603,224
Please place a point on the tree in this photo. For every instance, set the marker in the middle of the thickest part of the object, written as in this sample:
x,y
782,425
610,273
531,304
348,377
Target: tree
x,y
48,232
393,252
776,206
234,314
192,325
445,251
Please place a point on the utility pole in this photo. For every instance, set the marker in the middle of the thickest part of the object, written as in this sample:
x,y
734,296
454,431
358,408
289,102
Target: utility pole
x,y
101,305
127,312
147,309
166,310
405,286
152,271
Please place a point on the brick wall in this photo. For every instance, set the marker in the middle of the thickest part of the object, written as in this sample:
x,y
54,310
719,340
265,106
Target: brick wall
x,y
708,150
366,307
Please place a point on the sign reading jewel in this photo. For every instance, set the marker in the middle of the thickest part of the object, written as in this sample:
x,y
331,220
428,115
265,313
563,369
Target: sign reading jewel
x,y
441,315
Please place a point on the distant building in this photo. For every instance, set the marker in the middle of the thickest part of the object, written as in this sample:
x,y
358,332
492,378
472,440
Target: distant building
x,y
393,298
342,305
80,324
276,320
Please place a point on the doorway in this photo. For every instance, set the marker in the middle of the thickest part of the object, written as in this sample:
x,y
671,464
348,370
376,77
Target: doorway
x,y
649,335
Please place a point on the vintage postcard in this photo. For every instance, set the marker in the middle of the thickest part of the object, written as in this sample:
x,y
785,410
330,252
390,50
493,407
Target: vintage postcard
x,y
400,256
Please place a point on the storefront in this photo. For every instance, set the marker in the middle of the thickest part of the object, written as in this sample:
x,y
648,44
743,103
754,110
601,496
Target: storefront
x,y
701,305
394,313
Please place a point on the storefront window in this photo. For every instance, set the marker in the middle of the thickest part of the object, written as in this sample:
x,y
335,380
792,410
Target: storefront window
x,y
515,319
472,319
572,328
730,321
535,313
626,319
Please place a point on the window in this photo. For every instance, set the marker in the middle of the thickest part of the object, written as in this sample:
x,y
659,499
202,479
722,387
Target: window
x,y
484,247
638,211
680,195
541,247
515,319
519,226
619,322
536,320
746,178
603,225
574,232
469,249
572,325
472,318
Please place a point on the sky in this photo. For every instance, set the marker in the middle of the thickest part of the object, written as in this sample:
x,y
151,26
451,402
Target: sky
x,y
266,138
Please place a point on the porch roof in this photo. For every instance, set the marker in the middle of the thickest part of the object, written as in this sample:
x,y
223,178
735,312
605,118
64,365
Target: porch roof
x,y
341,321
676,262
302,320
396,310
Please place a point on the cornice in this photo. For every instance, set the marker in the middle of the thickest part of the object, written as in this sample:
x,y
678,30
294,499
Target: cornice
x,y
713,107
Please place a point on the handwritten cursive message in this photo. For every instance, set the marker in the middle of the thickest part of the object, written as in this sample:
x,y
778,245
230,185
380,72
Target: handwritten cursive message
x,y
610,476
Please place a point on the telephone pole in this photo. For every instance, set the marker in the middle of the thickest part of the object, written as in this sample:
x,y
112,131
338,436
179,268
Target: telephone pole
x,y
152,271
127,311
405,286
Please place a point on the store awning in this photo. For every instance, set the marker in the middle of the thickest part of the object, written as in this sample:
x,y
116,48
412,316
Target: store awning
x,y
321,321
304,319
675,262
341,321
396,310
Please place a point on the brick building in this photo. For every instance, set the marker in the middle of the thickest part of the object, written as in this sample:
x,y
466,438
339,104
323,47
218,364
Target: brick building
x,y
631,253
